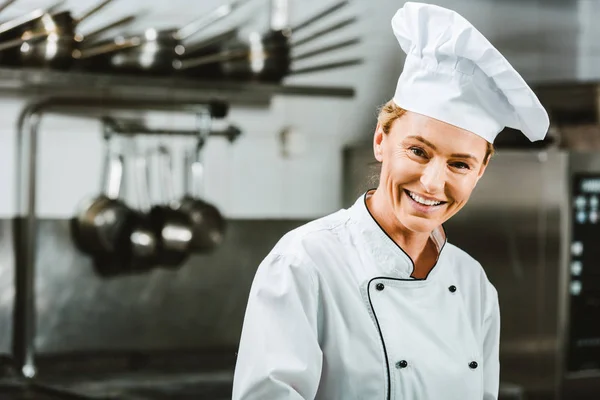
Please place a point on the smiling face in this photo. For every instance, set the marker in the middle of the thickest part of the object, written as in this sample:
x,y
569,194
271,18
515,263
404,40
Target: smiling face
x,y
428,169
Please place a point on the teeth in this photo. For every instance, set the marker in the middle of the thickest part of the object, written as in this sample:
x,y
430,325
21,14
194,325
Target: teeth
x,y
423,201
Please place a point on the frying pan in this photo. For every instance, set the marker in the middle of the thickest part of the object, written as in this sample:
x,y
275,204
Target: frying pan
x,y
207,222
153,51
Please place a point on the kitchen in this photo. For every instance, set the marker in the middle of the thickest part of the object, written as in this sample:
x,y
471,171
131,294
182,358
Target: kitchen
x,y
297,151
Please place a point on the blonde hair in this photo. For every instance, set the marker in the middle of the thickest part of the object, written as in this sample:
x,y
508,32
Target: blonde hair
x,y
390,112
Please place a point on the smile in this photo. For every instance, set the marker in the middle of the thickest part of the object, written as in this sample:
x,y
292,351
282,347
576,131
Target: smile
x,y
423,201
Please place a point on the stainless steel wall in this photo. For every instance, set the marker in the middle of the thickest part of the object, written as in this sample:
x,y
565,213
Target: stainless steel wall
x,y
201,305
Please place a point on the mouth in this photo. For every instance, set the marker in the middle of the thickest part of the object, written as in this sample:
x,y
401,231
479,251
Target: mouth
x,y
425,204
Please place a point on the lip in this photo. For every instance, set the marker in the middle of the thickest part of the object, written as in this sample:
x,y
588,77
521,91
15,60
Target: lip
x,y
425,197
421,207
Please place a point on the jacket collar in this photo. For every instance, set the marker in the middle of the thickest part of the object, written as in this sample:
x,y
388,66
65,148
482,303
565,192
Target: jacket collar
x,y
390,258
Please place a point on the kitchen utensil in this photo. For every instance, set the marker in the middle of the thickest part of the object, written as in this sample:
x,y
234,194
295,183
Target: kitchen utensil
x,y
207,222
257,57
99,228
325,49
172,227
5,4
154,51
143,239
12,32
245,64
323,32
265,57
55,50
319,16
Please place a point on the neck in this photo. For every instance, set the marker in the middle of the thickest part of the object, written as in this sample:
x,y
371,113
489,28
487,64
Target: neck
x,y
417,245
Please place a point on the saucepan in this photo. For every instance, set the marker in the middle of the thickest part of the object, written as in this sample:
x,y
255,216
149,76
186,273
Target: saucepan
x,y
265,57
12,34
143,239
100,226
208,224
172,227
59,38
154,51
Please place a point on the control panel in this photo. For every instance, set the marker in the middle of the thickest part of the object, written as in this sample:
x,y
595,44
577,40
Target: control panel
x,y
584,267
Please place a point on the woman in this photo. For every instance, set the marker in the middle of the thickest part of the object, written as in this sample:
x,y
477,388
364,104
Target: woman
x,y
372,302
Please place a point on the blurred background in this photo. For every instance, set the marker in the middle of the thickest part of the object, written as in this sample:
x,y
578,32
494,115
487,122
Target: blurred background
x,y
202,132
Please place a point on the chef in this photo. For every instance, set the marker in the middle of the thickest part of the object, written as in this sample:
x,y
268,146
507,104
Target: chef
x,y
373,302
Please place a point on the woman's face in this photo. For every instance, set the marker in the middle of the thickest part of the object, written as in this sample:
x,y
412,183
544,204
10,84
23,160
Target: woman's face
x,y
429,169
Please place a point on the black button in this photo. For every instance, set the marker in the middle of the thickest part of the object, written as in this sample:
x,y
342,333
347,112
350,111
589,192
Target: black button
x,y
401,364
452,289
473,365
379,286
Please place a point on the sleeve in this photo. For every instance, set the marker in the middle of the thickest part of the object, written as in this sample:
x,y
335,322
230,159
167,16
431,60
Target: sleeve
x,y
491,348
279,355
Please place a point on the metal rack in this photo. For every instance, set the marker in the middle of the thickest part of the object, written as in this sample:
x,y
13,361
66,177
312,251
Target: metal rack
x,y
99,96
104,86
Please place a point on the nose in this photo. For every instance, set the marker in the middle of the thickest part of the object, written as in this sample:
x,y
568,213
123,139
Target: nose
x,y
433,177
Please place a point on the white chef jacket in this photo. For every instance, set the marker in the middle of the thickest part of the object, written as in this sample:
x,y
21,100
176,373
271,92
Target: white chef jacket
x,y
333,313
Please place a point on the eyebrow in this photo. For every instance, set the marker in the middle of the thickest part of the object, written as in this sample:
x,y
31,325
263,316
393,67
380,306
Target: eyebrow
x,y
428,143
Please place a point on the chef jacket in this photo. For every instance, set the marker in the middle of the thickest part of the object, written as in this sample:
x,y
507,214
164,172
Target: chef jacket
x,y
334,313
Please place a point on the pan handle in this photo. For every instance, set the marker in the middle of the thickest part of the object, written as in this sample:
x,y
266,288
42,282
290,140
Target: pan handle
x,y
30,16
112,178
315,18
19,41
322,32
6,4
82,54
328,66
91,11
326,49
182,65
194,168
208,19
165,176
107,27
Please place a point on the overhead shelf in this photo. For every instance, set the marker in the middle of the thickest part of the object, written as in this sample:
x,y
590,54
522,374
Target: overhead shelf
x,y
91,85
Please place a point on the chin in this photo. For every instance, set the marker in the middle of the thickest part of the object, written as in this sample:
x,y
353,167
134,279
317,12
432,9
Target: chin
x,y
418,224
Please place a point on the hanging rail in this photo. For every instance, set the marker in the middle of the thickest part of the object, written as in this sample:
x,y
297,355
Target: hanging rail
x,y
25,221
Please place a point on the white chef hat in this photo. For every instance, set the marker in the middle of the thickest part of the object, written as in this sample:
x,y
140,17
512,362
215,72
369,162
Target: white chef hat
x,y
454,74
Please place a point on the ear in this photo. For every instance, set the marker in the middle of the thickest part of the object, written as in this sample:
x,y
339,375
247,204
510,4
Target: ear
x,y
378,143
481,171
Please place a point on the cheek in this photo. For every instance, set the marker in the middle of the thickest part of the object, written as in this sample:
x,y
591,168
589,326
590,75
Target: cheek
x,y
461,189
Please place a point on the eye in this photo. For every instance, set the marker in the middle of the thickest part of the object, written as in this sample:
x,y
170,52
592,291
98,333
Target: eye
x,y
417,151
460,165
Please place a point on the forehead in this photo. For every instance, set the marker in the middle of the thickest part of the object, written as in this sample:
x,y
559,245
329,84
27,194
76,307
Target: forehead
x,y
438,133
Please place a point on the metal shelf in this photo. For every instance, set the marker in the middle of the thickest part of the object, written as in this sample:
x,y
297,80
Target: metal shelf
x,y
91,85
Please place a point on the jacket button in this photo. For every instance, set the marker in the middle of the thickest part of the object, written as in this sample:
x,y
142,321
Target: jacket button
x,y
452,289
379,286
473,365
401,364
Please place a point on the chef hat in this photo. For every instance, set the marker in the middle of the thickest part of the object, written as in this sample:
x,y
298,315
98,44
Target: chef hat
x,y
453,73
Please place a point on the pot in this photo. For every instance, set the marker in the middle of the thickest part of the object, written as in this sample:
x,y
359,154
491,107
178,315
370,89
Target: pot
x,y
172,227
100,226
153,51
208,225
